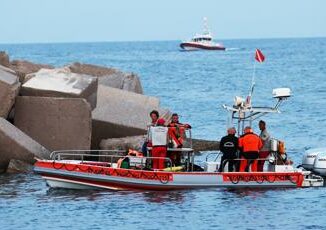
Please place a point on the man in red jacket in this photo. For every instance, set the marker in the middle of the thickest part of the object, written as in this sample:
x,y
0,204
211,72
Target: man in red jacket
x,y
249,144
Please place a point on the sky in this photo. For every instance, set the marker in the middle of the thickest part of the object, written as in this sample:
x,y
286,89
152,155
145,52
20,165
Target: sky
x,y
34,21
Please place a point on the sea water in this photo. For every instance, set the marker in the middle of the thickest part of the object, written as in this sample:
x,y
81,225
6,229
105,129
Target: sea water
x,y
195,85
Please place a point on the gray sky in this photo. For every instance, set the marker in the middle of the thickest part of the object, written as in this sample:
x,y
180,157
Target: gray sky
x,y
121,20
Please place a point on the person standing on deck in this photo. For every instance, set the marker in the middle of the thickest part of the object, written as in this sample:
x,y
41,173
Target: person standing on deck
x,y
177,134
229,148
265,151
159,139
154,118
175,122
249,144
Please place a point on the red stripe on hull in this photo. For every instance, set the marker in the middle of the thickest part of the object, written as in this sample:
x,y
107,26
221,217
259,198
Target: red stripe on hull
x,y
101,176
102,170
200,46
295,177
118,185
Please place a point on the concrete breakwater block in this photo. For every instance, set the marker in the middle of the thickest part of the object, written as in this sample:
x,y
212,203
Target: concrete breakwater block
x,y
120,113
4,163
111,95
56,123
61,83
123,143
136,142
17,166
110,77
22,68
4,59
9,88
205,145
15,144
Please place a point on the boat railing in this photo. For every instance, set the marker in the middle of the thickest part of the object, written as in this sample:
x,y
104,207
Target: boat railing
x,y
141,162
187,136
243,159
93,153
208,156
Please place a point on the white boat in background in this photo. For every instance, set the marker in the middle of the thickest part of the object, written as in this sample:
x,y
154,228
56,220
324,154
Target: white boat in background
x,y
202,41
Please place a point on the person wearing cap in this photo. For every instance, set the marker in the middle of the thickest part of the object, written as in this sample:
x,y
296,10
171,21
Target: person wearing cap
x,y
159,144
265,150
249,144
229,148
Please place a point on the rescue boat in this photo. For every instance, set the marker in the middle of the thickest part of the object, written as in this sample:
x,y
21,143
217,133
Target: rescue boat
x,y
111,169
202,41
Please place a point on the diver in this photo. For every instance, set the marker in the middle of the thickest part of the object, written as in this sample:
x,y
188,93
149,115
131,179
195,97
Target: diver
x,y
229,148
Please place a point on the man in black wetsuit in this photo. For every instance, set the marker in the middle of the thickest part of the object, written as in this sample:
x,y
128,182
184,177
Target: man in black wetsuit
x,y
229,148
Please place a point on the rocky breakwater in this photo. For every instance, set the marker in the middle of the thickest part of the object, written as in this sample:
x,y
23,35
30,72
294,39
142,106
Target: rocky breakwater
x,y
21,67
121,114
136,142
79,106
110,77
9,89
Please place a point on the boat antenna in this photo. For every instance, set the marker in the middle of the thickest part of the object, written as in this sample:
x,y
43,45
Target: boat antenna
x,y
206,30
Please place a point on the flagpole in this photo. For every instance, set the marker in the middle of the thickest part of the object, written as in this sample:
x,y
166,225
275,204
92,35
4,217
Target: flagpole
x,y
252,81
252,88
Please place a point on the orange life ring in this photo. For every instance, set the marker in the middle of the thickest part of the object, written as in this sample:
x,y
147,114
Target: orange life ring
x,y
177,134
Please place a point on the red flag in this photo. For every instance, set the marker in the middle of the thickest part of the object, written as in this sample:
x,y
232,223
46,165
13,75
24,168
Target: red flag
x,y
259,56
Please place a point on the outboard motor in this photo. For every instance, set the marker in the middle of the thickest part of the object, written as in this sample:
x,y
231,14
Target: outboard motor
x,y
320,164
309,157
314,160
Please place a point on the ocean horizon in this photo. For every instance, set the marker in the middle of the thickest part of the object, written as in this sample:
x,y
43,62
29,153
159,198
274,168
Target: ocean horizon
x,y
154,40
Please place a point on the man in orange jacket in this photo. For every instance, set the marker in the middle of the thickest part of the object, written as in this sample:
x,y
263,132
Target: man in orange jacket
x,y
249,144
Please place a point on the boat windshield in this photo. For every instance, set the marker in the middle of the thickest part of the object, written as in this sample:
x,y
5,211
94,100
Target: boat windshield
x,y
201,39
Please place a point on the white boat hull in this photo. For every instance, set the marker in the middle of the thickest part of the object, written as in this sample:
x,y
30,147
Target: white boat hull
x,y
191,46
82,176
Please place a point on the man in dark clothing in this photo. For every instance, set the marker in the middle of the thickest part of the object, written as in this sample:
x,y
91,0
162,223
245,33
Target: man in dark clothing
x,y
229,148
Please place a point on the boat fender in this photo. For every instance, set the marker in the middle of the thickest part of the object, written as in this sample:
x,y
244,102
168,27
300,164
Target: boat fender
x,y
173,169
